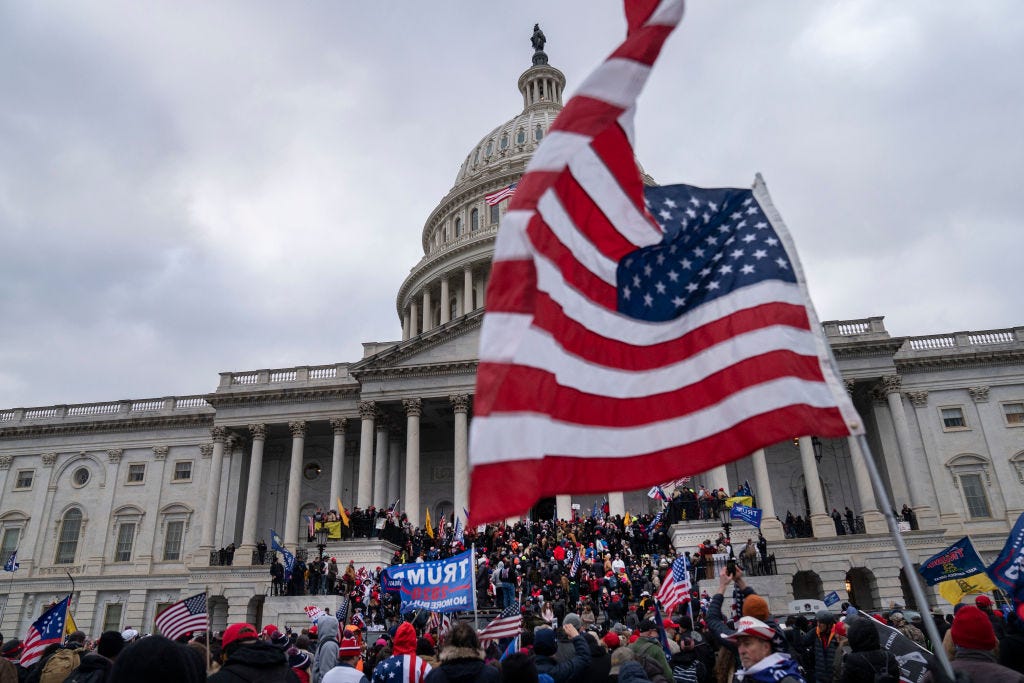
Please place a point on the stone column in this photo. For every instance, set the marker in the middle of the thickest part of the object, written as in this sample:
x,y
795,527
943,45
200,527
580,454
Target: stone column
x,y
291,524
874,521
394,465
445,303
926,518
821,523
460,402
719,478
480,291
467,289
414,320
428,317
413,410
243,556
380,469
563,506
460,302
771,528
338,424
616,504
367,413
219,435
405,325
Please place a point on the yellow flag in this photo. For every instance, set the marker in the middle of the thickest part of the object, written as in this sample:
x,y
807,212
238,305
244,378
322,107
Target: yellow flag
x,y
341,511
430,526
954,591
69,624
628,520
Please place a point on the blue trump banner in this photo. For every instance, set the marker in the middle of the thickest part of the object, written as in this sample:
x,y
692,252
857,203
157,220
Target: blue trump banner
x,y
1006,571
442,586
748,514
958,561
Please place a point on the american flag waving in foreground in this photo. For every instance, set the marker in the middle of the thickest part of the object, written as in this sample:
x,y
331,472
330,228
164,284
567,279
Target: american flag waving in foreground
x,y
44,631
183,617
675,587
508,624
624,346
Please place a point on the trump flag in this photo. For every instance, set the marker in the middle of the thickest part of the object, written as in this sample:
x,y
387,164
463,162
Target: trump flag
x,y
633,335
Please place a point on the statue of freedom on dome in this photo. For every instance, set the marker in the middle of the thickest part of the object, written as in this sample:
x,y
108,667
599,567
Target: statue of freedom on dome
x,y
538,40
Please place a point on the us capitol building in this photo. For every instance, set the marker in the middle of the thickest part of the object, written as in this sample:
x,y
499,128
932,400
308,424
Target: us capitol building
x,y
131,497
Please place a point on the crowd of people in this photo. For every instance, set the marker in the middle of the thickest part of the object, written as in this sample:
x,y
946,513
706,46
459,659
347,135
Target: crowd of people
x,y
729,636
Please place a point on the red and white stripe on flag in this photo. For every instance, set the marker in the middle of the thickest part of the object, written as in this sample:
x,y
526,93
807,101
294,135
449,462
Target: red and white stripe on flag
x,y
184,617
573,396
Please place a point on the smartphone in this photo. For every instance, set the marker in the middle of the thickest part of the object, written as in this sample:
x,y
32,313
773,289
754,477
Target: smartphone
x,y
730,567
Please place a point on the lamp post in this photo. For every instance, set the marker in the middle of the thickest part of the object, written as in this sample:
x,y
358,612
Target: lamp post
x,y
321,540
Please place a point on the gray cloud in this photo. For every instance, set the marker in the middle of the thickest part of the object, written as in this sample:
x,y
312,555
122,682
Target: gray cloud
x,y
192,188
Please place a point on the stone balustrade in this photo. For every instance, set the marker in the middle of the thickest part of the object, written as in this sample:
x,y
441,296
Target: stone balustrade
x,y
168,405
298,375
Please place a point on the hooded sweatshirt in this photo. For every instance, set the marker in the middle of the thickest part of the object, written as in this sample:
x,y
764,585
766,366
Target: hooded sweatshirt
x,y
867,658
403,664
326,656
255,661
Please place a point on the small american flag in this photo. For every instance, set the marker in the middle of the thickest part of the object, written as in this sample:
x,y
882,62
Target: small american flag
x,y
12,564
575,566
675,588
508,624
184,617
636,335
503,193
441,623
47,629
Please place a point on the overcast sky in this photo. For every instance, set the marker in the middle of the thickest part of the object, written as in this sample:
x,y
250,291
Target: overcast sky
x,y
188,188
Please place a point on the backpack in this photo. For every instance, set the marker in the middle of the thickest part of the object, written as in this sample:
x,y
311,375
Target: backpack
x,y
59,666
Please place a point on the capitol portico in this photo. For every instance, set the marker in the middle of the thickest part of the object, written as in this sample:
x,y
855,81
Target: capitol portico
x,y
131,497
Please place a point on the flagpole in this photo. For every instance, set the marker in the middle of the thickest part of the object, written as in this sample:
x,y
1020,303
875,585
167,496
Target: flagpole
x,y
209,625
908,566
472,571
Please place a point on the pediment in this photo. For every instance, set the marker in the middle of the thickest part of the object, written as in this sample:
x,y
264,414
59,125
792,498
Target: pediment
x,y
451,345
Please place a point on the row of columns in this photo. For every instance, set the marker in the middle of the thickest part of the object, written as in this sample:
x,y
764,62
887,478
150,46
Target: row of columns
x,y
413,323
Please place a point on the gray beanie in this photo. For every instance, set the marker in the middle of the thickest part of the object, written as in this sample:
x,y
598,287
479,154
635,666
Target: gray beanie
x,y
574,619
825,617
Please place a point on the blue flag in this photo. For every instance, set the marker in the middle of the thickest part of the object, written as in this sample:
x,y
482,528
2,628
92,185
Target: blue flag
x,y
654,523
459,534
746,513
958,561
745,489
12,563
1006,572
289,559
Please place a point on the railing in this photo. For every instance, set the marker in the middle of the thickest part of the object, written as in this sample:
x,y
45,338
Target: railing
x,y
92,409
247,378
147,406
6,415
854,328
712,569
301,373
110,408
283,376
935,342
967,339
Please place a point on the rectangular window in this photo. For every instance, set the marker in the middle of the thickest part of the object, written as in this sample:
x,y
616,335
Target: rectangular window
x,y
1014,413
136,473
10,543
953,418
494,214
125,540
172,541
112,617
974,495
24,480
183,470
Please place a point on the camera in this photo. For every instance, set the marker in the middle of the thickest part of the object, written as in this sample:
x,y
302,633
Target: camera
x,y
730,567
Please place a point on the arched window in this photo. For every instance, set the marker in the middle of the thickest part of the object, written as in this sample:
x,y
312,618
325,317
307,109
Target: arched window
x,y
67,541
474,220
521,136
504,141
458,227
490,149
538,133
494,214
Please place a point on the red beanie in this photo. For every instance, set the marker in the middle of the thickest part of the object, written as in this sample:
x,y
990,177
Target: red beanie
x,y
611,640
972,629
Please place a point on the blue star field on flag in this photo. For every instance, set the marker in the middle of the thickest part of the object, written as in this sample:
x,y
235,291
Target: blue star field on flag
x,y
716,241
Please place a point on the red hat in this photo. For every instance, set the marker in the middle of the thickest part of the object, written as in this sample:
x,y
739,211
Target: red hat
x,y
268,630
237,632
668,623
972,629
983,601
349,647
611,640
312,630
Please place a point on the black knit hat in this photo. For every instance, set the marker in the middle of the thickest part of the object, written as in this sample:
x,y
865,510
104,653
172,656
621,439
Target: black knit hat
x,y
110,644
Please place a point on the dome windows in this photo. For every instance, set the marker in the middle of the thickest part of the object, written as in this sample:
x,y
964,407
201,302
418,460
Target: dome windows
x,y
458,228
494,214
474,220
503,145
521,137
489,150
538,133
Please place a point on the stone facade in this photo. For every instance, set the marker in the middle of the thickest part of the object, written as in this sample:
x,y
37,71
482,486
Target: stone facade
x,y
131,497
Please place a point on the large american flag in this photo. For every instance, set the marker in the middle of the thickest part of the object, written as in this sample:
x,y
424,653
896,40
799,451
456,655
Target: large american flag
x,y
44,631
675,587
183,617
508,624
406,668
621,345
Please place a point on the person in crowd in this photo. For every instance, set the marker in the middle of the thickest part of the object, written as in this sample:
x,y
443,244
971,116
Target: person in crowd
x,y
245,657
867,661
327,644
95,666
984,603
975,643
760,658
348,656
462,659
647,645
823,644
403,663
156,659
545,646
899,622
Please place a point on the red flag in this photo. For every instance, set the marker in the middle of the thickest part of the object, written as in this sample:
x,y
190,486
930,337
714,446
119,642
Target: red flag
x,y
578,389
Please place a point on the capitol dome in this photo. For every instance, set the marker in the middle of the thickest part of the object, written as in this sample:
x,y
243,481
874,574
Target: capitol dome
x,y
458,235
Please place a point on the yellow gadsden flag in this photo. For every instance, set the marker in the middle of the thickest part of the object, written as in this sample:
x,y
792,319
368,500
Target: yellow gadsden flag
x,y
341,511
628,520
429,525
954,591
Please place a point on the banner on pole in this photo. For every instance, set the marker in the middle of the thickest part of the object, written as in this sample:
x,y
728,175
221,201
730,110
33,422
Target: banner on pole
x,y
958,561
441,586
1006,572
751,516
